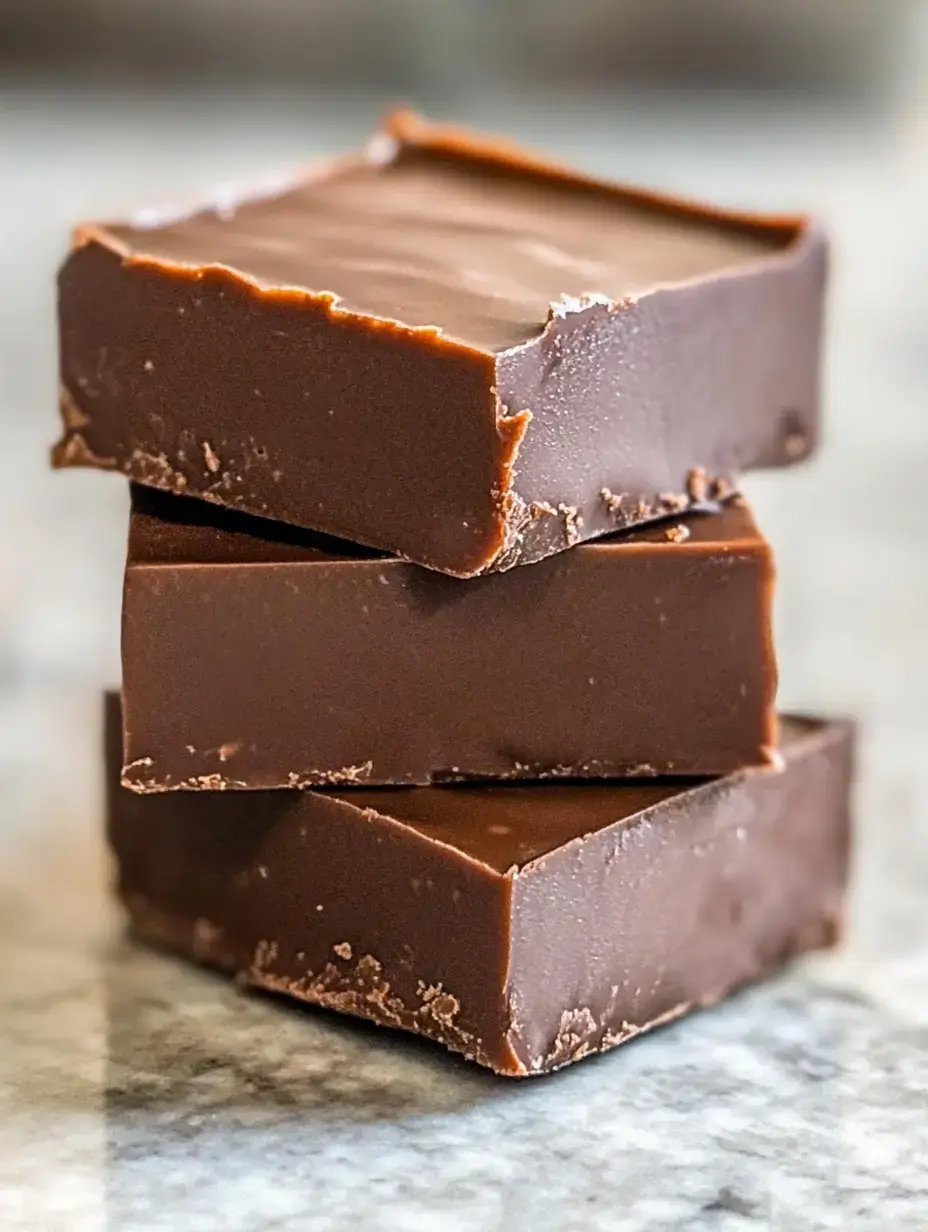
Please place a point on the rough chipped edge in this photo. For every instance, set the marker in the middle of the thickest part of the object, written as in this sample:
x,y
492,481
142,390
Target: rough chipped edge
x,y
363,992
529,771
150,786
345,775
72,450
359,991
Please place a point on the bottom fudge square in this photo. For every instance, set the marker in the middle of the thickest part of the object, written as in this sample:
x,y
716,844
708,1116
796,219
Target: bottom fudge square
x,y
524,926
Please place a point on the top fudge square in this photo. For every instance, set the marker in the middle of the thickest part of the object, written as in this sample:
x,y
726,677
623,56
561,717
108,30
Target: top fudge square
x,y
444,347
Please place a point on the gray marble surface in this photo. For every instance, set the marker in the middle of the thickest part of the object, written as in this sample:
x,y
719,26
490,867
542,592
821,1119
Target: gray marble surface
x,y
139,1096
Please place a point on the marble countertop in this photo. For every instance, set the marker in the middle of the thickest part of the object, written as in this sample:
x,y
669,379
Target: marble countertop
x,y
137,1095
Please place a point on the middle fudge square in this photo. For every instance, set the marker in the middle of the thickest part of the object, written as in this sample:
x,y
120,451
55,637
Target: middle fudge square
x,y
261,656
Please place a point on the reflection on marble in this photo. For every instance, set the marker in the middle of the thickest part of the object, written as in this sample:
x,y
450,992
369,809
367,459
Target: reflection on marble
x,y
137,1095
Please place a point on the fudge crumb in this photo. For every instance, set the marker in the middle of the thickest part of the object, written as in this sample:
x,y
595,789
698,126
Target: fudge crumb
x,y
720,488
343,950
612,500
678,534
697,485
576,1038
673,502
331,778
642,770
156,470
573,522
438,1005
265,953
212,458
642,510
195,782
207,782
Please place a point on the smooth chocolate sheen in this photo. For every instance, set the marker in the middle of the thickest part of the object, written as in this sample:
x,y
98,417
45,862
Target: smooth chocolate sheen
x,y
443,347
253,662
525,927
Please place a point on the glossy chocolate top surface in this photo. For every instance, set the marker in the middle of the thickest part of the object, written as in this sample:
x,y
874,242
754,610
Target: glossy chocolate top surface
x,y
473,240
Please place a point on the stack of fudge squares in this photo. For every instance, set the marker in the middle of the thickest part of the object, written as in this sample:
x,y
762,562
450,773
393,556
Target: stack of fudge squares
x,y
448,675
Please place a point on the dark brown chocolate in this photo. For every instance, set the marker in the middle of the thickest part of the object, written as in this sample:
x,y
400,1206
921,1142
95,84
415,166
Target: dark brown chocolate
x,y
446,348
526,927
299,661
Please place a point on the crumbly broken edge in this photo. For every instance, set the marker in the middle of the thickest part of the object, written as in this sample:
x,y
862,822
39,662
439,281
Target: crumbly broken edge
x,y
363,991
359,990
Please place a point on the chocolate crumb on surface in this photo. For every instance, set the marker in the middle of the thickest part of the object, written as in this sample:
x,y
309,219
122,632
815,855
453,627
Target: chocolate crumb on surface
x,y
612,500
573,523
697,485
211,457
673,502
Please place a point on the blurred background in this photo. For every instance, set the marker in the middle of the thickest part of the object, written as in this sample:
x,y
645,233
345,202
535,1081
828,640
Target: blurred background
x,y
109,105
421,45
